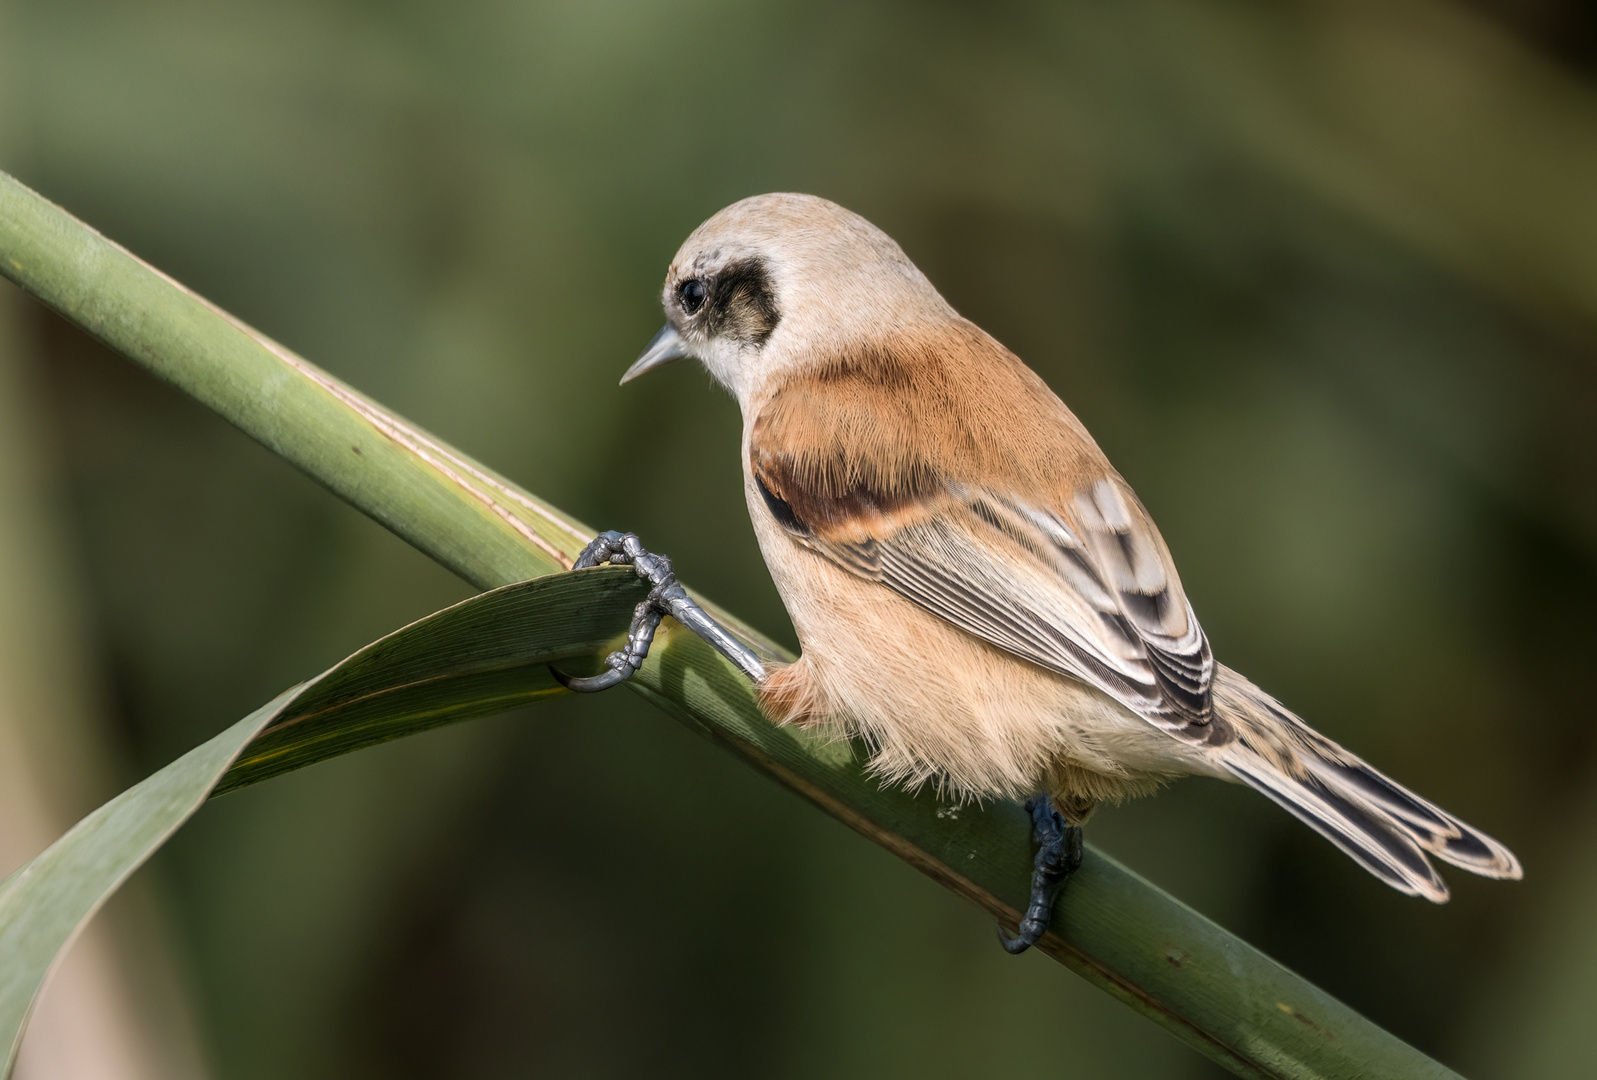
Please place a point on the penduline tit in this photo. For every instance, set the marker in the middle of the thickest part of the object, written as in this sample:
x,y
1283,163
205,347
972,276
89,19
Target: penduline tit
x,y
981,599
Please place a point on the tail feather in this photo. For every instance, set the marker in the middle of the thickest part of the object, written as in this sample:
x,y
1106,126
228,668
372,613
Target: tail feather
x,y
1390,854
1433,828
1386,828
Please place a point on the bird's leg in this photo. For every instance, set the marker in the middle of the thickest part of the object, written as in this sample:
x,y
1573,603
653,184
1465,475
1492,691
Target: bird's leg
x,y
1058,856
666,597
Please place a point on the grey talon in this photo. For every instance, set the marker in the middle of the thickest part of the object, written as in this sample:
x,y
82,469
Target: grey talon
x,y
666,597
590,684
1059,851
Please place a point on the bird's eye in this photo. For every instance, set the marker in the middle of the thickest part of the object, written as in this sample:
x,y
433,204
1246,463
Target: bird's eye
x,y
692,293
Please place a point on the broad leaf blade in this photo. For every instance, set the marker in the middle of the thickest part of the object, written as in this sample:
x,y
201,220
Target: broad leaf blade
x,y
484,655
481,656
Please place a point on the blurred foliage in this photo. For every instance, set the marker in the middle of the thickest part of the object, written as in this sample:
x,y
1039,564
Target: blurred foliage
x,y
1322,279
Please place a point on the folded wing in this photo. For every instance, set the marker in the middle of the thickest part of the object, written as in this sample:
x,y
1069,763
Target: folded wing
x,y
1076,579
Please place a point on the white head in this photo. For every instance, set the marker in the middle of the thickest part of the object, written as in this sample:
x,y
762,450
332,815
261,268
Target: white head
x,y
775,281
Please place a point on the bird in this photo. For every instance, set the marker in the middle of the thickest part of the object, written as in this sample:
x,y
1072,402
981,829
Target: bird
x,y
980,598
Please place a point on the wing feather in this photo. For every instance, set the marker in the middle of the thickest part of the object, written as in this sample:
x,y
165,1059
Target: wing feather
x,y
1100,607
882,463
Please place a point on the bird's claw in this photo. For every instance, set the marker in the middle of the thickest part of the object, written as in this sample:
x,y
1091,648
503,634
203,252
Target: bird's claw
x,y
1058,856
666,597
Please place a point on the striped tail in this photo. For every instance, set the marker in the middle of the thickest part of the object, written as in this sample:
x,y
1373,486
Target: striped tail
x,y
1383,826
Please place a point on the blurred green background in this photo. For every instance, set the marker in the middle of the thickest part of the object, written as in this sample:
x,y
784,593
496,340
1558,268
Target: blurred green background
x,y
1322,279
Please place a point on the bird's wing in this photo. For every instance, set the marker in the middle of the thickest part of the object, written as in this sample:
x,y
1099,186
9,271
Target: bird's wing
x,y
1084,587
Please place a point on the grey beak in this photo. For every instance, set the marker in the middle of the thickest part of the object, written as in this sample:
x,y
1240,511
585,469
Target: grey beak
x,y
666,347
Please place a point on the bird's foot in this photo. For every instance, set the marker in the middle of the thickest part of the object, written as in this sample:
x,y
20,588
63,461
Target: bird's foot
x,y
666,597
1058,856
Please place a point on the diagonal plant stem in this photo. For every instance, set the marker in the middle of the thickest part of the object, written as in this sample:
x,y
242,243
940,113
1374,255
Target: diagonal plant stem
x,y
1204,985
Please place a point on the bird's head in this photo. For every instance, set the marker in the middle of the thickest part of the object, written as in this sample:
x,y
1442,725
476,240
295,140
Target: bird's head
x,y
778,281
